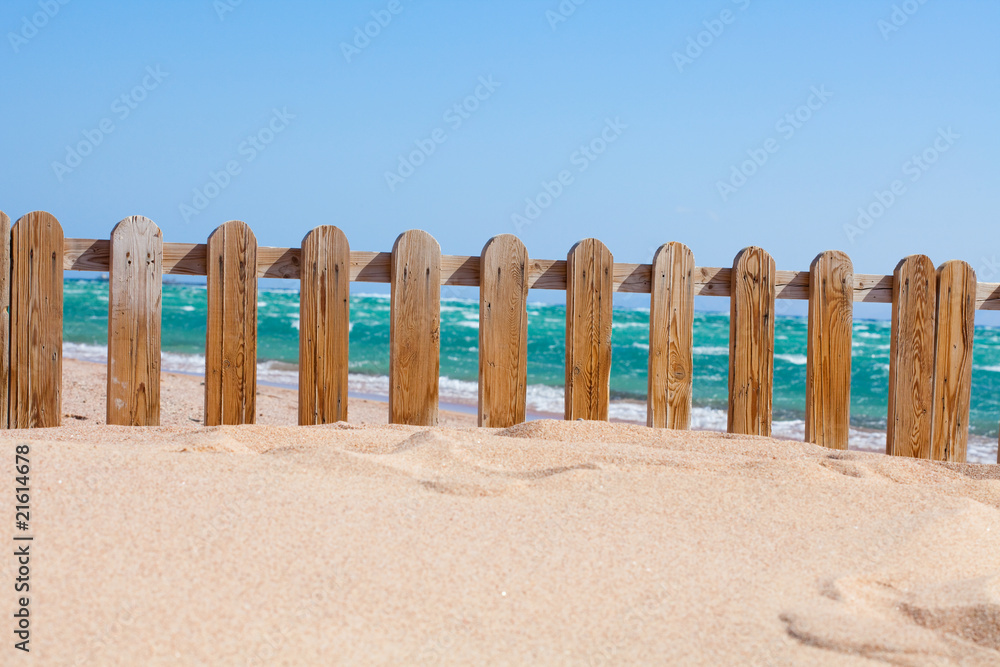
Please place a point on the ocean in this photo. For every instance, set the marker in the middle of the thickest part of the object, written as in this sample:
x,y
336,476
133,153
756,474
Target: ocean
x,y
183,343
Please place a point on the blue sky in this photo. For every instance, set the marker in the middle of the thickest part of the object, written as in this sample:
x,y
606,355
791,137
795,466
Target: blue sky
x,y
648,112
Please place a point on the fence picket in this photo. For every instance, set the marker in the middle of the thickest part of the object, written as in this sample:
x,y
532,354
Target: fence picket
x,y
36,317
956,320
503,332
414,329
4,320
671,335
231,338
828,366
324,326
134,295
751,342
911,358
589,289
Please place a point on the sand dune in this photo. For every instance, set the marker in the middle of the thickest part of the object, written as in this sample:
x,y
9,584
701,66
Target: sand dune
x,y
546,543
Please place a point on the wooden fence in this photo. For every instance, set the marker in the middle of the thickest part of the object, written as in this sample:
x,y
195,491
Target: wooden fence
x,y
931,342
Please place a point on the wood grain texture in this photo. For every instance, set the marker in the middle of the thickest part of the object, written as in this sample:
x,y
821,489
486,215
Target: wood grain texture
x,y
751,342
956,321
415,329
134,297
189,259
911,358
828,365
36,321
4,320
589,289
671,336
503,332
324,326
231,337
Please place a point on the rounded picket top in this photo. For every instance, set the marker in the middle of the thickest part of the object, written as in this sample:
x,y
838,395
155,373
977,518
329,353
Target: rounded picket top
x,y
135,224
238,228
416,241
329,235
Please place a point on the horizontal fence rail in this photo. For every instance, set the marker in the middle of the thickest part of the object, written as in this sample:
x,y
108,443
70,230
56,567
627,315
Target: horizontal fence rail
x,y
930,358
189,259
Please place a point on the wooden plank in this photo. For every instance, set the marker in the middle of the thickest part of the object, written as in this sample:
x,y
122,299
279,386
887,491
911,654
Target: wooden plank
x,y
373,267
4,320
231,338
134,295
414,329
36,317
589,275
671,335
751,342
503,332
324,326
911,358
956,320
828,366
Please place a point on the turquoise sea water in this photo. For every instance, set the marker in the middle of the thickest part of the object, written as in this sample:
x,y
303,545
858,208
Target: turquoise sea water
x,y
184,312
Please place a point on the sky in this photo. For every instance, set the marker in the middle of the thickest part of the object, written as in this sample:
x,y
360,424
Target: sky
x,y
866,126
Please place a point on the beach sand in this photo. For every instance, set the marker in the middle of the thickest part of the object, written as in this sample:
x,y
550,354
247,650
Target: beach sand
x,y
546,543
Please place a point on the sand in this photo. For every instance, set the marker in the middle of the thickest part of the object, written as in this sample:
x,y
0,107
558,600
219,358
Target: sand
x,y
546,543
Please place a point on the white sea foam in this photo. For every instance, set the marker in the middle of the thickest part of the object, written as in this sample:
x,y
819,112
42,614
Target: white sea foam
x,y
710,349
796,359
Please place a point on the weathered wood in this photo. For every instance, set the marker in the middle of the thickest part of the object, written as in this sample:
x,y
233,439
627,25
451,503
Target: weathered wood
x,y
373,267
671,335
4,320
231,337
134,296
751,342
828,368
503,332
324,326
956,321
36,321
589,267
414,329
911,358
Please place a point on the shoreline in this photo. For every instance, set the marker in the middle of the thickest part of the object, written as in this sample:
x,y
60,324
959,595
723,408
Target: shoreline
x,y
981,449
